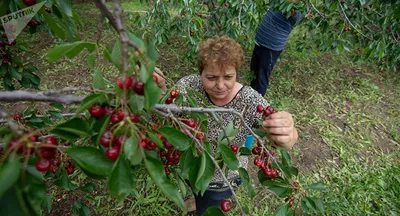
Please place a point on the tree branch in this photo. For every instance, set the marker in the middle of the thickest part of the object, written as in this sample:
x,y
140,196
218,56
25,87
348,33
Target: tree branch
x,y
355,28
19,95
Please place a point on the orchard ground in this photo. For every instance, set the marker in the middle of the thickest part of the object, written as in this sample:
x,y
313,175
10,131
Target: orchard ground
x,y
347,114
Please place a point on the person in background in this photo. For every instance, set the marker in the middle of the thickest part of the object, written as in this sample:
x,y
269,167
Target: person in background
x,y
271,37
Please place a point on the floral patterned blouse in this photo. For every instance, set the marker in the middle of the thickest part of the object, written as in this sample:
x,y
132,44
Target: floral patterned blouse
x,y
245,100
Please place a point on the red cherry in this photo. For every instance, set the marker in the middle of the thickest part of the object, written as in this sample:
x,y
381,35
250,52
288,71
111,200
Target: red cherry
x,y
260,108
52,141
190,122
258,161
234,147
274,173
226,205
128,82
134,118
155,78
115,118
169,100
113,153
168,145
5,61
107,138
267,172
96,111
201,136
70,170
43,165
143,143
226,4
34,138
45,153
291,202
29,2
121,140
13,146
160,136
138,87
170,156
256,150
17,117
4,35
48,10
174,93
269,110
163,153
108,110
167,172
121,114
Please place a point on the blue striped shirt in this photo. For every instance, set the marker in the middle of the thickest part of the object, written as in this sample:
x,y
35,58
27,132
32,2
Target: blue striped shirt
x,y
274,30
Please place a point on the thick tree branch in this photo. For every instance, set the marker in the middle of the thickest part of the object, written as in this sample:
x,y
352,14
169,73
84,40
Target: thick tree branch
x,y
14,96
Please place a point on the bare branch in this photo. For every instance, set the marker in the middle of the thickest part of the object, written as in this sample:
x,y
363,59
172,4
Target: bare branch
x,y
101,4
315,8
48,115
67,89
14,96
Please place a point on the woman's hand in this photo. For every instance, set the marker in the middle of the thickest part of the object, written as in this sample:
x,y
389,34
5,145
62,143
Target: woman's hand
x,y
160,79
281,130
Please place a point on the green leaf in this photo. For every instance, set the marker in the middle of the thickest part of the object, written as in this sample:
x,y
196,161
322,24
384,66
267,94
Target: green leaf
x,y
121,182
9,174
231,131
317,186
107,55
15,74
286,160
56,105
156,170
179,140
138,41
213,211
65,7
279,191
54,26
318,203
310,204
244,176
70,50
90,100
91,159
13,203
229,157
244,151
151,51
72,129
201,169
282,211
207,174
90,60
152,94
185,162
88,187
55,114
116,54
136,102
64,181
153,137
131,147
144,74
98,80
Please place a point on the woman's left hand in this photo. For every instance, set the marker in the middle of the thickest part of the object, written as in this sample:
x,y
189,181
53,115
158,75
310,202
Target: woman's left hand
x,y
280,127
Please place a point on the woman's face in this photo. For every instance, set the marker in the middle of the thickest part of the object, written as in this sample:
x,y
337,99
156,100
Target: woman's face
x,y
218,84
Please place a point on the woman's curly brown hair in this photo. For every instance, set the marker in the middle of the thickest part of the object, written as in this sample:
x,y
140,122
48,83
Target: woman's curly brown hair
x,y
220,51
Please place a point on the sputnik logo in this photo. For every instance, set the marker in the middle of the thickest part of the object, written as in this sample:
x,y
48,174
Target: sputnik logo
x,y
14,23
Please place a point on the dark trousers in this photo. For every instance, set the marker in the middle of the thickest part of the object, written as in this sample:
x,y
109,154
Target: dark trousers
x,y
213,197
262,64
210,198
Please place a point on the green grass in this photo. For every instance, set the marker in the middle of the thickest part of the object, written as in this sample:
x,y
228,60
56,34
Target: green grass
x,y
347,113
